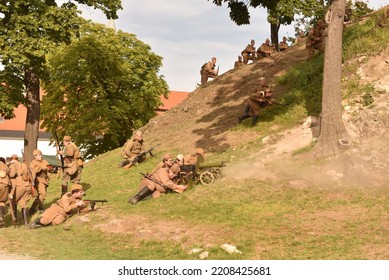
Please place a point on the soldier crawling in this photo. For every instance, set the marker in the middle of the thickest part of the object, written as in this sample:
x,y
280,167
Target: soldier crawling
x,y
260,98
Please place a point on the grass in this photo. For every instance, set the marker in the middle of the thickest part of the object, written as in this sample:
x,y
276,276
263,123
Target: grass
x,y
265,219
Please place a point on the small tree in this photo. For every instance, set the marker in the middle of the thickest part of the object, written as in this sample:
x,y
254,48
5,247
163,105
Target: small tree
x,y
100,88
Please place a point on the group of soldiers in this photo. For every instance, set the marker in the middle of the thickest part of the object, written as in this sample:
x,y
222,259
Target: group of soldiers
x,y
21,182
164,178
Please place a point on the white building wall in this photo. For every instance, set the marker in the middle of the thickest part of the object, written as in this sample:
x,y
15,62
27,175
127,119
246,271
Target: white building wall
x,y
10,147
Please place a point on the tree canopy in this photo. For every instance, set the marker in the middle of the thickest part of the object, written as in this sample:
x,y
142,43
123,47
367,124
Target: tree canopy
x,y
29,30
101,87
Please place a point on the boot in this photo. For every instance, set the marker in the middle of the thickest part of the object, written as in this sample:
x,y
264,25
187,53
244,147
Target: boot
x,y
35,224
40,207
2,216
242,117
15,210
254,120
33,206
64,189
24,213
140,195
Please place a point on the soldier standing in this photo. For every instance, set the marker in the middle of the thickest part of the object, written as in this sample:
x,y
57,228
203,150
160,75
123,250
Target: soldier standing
x,y
70,203
208,70
249,53
39,168
131,149
159,182
4,190
21,189
257,100
73,164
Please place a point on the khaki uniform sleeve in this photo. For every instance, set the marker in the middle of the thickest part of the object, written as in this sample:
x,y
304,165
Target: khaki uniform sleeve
x,y
68,203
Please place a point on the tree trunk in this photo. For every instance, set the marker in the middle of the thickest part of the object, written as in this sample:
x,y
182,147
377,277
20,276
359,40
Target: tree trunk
x,y
31,133
333,134
274,28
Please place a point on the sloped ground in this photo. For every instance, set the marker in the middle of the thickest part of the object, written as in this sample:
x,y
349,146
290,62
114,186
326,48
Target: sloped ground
x,y
206,117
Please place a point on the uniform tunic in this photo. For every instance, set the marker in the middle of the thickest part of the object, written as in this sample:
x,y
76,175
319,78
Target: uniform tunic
x,y
39,168
4,183
59,211
21,189
73,169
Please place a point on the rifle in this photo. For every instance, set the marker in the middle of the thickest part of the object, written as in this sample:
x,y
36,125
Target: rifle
x,y
276,103
58,149
11,205
93,202
155,181
143,154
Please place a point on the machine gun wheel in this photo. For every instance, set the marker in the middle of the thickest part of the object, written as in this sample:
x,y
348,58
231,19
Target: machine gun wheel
x,y
206,178
217,172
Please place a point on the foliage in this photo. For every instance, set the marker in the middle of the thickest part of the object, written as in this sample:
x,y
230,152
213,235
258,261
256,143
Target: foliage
x,y
100,88
29,30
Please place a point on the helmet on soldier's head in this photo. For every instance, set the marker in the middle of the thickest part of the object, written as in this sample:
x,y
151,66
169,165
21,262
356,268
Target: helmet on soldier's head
x,y
76,187
67,138
199,151
36,152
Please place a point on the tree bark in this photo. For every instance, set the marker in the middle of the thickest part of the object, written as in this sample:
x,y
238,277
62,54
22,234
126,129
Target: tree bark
x,y
333,134
31,133
274,28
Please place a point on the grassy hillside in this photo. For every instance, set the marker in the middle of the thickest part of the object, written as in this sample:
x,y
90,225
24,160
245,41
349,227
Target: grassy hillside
x,y
291,213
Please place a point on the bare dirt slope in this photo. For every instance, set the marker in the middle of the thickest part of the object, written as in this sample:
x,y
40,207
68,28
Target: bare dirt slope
x,y
208,116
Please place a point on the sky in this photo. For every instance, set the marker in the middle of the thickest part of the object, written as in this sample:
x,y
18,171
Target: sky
x,y
187,33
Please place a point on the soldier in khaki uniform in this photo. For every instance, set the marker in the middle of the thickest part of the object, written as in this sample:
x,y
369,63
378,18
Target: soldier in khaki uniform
x,y
196,157
239,62
70,203
283,46
131,149
249,53
73,164
260,98
315,39
4,188
208,70
39,168
159,182
265,50
21,189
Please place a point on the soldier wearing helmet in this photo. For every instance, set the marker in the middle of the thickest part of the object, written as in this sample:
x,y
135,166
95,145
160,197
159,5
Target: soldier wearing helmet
x,y
195,157
159,182
73,164
260,98
70,203
39,168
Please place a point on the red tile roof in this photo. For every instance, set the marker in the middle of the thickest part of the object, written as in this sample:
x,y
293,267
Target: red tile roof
x,y
19,122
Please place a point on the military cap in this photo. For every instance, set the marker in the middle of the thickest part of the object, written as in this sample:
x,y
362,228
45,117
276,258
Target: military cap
x,y
36,152
15,156
138,133
75,187
67,138
167,157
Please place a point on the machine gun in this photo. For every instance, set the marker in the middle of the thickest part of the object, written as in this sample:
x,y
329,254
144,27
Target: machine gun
x,y
203,172
92,202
